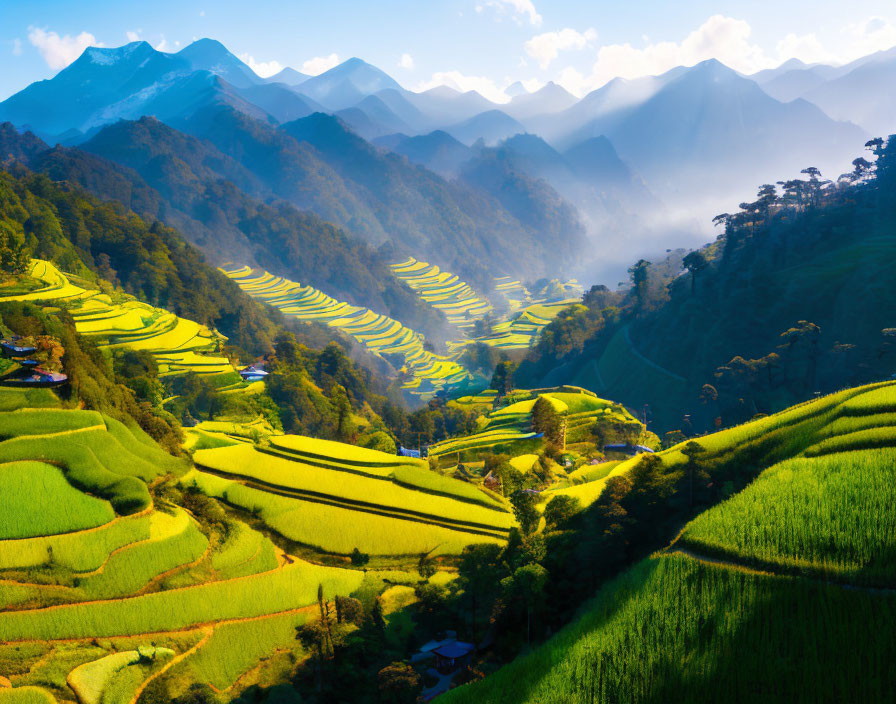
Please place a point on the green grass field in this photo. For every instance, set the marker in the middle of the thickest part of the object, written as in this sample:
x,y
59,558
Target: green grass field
x,y
830,515
37,500
676,629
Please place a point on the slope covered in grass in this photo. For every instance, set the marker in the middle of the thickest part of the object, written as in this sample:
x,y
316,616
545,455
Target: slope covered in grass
x,y
759,595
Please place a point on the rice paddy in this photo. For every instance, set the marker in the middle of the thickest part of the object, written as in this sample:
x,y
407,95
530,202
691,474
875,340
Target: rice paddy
x,y
178,345
379,334
509,429
335,497
760,594
444,291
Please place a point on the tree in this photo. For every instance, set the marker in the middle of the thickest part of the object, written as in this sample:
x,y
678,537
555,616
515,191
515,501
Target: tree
x,y
502,379
378,618
638,274
526,584
693,451
546,419
560,509
426,566
349,610
14,252
398,683
524,509
478,574
766,198
358,558
694,262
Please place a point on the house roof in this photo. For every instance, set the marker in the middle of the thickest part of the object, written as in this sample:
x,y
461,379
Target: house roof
x,y
457,649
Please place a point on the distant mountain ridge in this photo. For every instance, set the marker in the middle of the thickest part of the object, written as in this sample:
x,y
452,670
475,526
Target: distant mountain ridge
x,y
677,133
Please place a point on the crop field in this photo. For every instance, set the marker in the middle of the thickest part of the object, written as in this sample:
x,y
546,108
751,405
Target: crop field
x,y
805,429
114,679
379,334
444,291
173,540
26,695
235,647
666,630
28,487
791,565
179,345
509,429
284,589
222,433
334,528
337,497
829,515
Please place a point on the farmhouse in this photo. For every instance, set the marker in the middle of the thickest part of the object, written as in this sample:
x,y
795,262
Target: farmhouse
x,y
452,655
253,372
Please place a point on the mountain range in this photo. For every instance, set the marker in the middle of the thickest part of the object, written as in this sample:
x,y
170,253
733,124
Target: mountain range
x,y
639,162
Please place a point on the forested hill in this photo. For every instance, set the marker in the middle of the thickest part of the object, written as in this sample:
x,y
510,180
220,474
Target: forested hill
x,y
796,297
187,183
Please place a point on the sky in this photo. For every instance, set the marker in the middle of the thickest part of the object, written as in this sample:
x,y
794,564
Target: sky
x,y
468,44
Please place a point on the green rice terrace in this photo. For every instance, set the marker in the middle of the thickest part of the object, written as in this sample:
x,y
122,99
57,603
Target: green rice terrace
x,y
155,571
443,291
379,334
801,560
135,580
509,428
178,345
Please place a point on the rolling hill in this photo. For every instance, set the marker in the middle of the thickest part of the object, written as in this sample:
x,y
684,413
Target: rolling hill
x,y
732,604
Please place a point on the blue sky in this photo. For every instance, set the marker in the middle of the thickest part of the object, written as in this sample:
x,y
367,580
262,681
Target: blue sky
x,y
469,44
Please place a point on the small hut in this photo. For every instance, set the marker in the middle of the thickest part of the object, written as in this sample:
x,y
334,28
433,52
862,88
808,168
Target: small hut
x,y
450,656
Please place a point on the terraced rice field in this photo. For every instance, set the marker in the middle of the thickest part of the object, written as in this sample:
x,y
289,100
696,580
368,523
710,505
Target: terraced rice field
x,y
179,345
799,562
808,429
337,497
97,601
509,429
444,291
529,313
221,433
379,334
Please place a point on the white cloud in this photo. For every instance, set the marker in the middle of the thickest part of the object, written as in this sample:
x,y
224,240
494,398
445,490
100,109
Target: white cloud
x,y
518,9
805,47
724,38
162,45
532,84
545,47
406,61
133,36
455,79
16,47
58,51
874,34
262,68
319,64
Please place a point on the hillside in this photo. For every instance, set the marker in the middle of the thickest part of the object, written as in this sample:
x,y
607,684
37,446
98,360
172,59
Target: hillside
x,y
796,570
780,308
164,174
209,93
